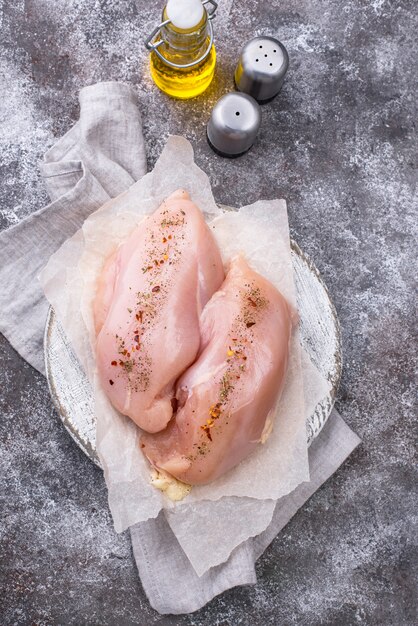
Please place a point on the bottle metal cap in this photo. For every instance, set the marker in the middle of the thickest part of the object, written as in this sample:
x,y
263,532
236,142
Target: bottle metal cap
x,y
234,124
261,68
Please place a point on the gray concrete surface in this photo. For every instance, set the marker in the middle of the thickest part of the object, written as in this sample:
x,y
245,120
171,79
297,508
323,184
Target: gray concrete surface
x,y
339,144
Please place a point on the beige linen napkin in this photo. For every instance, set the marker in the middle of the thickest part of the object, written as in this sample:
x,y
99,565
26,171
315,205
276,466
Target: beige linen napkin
x,y
100,157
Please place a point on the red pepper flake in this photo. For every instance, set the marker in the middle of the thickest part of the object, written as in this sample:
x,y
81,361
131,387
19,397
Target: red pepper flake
x,y
169,237
164,240
111,382
215,410
206,429
139,316
162,262
136,338
149,267
124,352
114,363
244,358
155,262
252,302
142,445
156,289
249,324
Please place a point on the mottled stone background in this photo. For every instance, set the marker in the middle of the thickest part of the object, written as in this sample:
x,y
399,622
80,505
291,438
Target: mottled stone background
x,y
339,144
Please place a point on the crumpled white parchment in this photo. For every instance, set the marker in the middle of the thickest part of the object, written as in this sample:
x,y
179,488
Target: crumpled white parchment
x,y
240,504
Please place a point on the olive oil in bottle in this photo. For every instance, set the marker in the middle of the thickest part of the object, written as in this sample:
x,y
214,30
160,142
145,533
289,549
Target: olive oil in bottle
x,y
183,58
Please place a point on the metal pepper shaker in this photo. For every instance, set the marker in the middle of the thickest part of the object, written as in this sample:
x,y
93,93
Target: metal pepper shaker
x,y
234,124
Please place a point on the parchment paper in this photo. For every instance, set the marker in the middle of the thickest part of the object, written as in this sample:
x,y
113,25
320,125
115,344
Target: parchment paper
x,y
242,501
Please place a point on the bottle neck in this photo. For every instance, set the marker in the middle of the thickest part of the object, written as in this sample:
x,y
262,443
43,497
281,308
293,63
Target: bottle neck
x,y
184,45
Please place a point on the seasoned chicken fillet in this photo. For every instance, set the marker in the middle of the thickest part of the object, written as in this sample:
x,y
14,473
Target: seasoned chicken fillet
x,y
147,308
227,398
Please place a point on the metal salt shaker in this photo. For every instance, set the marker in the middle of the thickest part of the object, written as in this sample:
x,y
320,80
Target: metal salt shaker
x,y
261,68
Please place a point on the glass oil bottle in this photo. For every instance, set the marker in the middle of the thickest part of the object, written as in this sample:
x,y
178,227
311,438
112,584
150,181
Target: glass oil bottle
x,y
183,58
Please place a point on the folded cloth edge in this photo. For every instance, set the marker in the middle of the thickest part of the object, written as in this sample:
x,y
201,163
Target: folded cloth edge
x,y
170,582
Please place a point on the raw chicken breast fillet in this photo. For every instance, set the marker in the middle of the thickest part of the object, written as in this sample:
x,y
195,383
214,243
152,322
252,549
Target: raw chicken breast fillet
x,y
147,308
227,398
